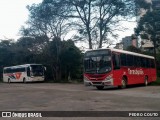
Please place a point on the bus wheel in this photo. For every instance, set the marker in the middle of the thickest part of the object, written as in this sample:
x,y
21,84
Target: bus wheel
x,y
9,81
146,81
123,83
100,87
24,80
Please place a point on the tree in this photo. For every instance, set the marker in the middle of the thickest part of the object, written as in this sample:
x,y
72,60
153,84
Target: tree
x,y
52,52
63,58
98,18
71,60
133,49
95,20
6,54
149,28
141,5
33,44
43,20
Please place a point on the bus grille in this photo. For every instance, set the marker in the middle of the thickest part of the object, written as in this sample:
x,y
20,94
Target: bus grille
x,y
96,83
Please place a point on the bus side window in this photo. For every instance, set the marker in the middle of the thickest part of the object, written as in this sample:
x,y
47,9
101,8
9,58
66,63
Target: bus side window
x,y
123,59
130,60
152,63
136,61
4,71
116,61
143,62
28,71
148,63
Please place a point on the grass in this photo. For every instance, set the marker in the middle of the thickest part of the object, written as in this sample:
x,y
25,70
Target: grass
x,y
157,82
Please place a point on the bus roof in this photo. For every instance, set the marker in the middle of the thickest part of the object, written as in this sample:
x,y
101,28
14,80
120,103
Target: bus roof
x,y
24,65
124,51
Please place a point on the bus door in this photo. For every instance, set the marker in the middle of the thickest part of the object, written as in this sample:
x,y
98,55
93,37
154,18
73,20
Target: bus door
x,y
117,73
28,71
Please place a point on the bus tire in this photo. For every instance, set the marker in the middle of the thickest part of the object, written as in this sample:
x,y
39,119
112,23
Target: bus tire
x,y
24,80
123,83
9,80
146,81
100,87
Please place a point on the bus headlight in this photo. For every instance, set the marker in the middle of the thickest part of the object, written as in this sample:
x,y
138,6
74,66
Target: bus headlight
x,y
108,80
86,81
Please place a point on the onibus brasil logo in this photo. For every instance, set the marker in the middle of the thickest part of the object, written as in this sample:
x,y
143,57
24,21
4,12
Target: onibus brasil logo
x,y
21,114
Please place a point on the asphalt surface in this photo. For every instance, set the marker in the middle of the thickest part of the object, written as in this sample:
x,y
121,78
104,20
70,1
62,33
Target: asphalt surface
x,y
77,97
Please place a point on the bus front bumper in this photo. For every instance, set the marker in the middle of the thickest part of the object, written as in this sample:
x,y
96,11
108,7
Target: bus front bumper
x,y
36,79
107,82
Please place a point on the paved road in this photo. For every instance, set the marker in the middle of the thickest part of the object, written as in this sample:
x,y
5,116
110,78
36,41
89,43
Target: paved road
x,y
76,97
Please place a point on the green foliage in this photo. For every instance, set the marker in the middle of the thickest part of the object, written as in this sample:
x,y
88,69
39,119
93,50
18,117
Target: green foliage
x,y
45,21
133,49
94,20
142,4
149,27
6,54
62,58
71,60
157,82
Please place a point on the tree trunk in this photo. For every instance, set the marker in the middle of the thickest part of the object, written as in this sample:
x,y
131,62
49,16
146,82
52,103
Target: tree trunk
x,y
69,76
89,39
154,49
100,41
100,27
58,73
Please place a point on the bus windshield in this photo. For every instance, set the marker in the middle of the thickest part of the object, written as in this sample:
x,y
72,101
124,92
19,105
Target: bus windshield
x,y
37,70
97,62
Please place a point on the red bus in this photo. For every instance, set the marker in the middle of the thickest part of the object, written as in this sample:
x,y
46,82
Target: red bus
x,y
113,67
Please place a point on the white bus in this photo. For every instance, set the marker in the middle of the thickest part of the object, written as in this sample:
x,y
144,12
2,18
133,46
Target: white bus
x,y
24,73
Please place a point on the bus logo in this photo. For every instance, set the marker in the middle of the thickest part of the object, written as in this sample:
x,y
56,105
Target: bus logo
x,y
18,75
135,72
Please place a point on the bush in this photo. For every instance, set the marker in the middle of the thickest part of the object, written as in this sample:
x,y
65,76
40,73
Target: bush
x,y
157,82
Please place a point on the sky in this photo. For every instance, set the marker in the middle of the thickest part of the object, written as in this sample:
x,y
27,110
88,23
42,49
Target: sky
x,y
129,28
14,14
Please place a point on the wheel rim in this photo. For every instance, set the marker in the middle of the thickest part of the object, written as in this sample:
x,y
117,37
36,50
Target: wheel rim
x,y
123,83
24,80
146,82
